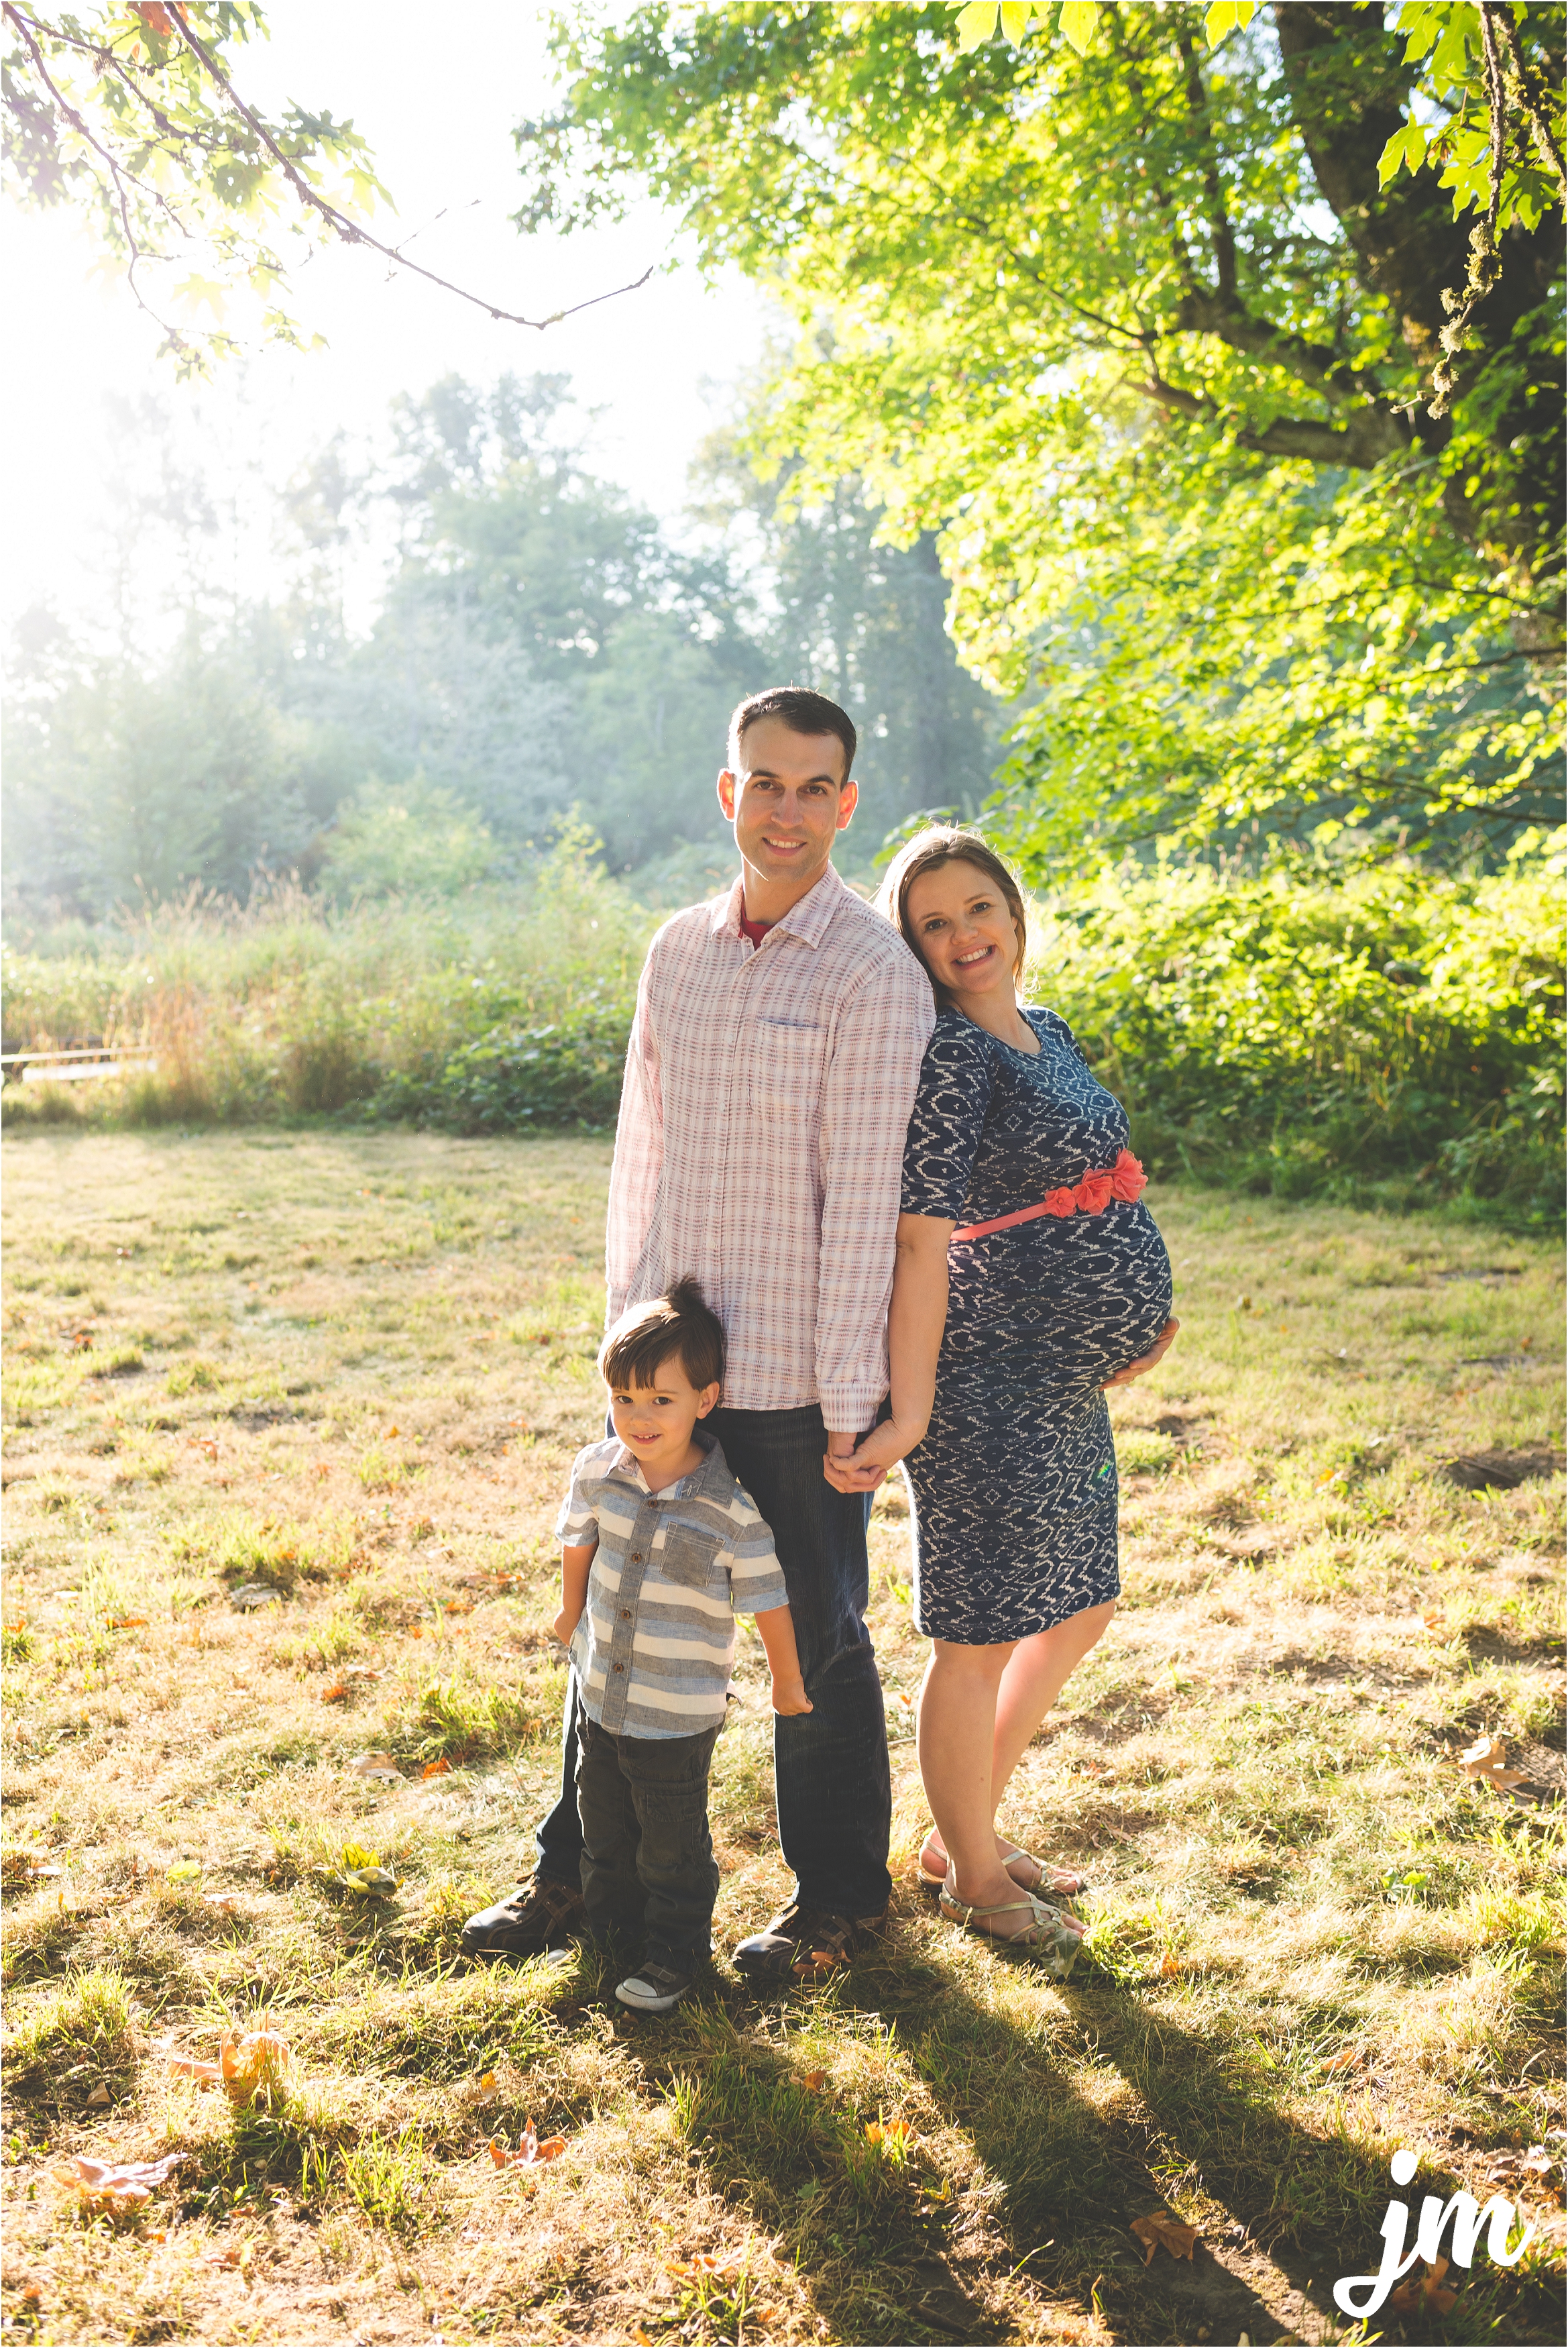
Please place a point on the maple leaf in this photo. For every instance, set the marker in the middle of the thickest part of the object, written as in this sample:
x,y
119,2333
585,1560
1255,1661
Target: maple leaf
x,y
1414,2295
530,2152
1484,1762
1161,2230
814,2082
113,2185
192,2066
259,2059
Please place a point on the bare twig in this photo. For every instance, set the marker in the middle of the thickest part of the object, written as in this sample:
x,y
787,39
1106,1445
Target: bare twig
x,y
348,229
117,175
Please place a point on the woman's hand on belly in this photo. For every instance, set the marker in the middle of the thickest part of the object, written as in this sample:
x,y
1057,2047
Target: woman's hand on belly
x,y
1148,1361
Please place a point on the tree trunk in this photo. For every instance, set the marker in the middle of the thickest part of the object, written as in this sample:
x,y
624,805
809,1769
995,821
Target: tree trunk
x,y
1349,86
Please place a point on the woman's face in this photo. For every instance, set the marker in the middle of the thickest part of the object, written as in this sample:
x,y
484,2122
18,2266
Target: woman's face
x,y
962,926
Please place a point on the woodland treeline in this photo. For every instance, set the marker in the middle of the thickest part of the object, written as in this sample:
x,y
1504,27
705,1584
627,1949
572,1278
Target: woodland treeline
x,y
545,646
1162,458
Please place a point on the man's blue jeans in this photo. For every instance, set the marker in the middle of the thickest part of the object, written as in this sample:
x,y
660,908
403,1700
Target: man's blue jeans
x,y
830,1765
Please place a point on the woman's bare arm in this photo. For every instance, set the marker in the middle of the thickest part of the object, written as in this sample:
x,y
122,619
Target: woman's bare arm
x,y
916,1319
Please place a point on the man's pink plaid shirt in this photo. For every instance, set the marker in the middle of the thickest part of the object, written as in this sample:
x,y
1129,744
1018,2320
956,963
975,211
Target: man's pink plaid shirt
x,y
760,1141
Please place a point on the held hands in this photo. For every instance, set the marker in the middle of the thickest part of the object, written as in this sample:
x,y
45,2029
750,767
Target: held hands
x,y
859,1467
789,1697
1161,1347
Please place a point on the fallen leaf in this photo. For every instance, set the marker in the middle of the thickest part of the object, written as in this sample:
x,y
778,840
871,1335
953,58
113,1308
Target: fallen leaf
x,y
894,2135
1163,2231
1348,2059
185,1870
128,1622
821,1961
336,1693
530,2151
1168,1965
192,2066
1538,2161
259,2059
378,1882
112,2185
487,2083
100,2099
441,1768
205,1445
814,2082
253,1594
644,2339
1435,1621
374,1765
1484,1762
1411,2296
228,2257
390,1433
223,1902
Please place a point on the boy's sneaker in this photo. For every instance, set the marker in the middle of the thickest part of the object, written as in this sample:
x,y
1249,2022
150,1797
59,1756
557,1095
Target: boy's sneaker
x,y
537,1916
801,1942
654,1989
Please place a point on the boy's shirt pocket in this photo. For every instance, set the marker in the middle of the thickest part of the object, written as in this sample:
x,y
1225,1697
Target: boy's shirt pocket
x,y
694,1561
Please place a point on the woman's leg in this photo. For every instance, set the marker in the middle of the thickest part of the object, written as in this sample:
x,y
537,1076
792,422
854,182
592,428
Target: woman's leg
x,y
1037,1672
1033,1676
956,1741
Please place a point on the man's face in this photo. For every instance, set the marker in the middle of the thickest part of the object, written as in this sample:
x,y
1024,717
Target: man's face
x,y
788,799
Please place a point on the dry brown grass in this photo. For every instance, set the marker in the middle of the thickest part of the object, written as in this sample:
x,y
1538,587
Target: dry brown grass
x,y
352,1370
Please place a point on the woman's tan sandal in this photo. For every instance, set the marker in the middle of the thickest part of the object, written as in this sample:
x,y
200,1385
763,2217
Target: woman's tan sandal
x,y
1052,1939
1056,1883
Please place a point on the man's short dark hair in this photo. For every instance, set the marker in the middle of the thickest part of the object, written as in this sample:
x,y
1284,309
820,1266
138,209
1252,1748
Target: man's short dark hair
x,y
643,1340
803,713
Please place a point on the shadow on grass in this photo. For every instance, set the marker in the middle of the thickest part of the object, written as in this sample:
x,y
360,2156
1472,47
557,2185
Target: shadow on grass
x,y
1077,2157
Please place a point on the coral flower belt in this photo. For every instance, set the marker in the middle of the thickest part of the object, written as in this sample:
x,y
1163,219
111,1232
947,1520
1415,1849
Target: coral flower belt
x,y
1093,1196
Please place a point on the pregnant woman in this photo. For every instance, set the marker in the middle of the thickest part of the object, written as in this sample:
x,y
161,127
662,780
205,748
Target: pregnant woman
x,y
1027,1279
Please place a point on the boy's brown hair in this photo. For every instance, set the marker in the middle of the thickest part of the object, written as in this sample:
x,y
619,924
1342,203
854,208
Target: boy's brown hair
x,y
642,1340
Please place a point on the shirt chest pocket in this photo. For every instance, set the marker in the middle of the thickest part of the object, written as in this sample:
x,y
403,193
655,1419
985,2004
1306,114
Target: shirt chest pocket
x,y
691,1559
786,1072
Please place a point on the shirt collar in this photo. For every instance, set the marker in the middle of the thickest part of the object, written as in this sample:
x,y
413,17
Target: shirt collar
x,y
807,920
713,1468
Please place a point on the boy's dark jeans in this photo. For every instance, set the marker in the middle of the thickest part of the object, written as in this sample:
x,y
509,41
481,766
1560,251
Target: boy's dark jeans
x,y
649,1874
830,1765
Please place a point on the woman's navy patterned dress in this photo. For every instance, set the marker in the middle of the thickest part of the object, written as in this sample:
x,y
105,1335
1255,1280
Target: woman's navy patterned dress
x,y
1014,1487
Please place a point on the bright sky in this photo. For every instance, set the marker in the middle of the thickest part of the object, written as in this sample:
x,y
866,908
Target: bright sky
x,y
437,94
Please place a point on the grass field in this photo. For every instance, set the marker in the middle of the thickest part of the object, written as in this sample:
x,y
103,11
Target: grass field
x,y
347,1373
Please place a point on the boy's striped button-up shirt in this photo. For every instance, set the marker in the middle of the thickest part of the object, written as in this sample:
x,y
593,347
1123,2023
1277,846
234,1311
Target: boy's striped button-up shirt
x,y
655,1643
760,1141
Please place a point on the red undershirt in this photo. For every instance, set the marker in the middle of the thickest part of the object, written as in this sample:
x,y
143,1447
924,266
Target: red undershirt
x,y
755,930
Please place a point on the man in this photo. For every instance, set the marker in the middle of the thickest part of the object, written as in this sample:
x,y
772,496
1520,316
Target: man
x,y
771,1073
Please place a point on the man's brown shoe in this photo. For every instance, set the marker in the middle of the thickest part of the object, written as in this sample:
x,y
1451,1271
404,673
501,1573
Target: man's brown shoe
x,y
537,1916
800,1942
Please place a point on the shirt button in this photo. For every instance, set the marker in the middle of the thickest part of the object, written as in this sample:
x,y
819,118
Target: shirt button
x,y
626,1613
636,1557
621,1667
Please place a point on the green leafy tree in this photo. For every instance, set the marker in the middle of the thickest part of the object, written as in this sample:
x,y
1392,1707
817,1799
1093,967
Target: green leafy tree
x,y
1150,339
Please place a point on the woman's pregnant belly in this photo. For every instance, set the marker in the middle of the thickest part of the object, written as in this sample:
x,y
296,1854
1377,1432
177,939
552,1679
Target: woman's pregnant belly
x,y
1086,1295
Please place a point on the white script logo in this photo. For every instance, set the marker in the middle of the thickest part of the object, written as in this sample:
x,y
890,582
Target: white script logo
x,y
1363,2295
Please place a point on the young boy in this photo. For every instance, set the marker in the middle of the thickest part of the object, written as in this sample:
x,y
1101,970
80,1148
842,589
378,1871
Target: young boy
x,y
659,1547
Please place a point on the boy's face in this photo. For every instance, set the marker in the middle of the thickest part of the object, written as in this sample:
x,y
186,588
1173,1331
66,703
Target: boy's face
x,y
655,1422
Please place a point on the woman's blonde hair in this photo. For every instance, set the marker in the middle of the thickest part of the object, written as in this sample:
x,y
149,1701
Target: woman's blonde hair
x,y
945,843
